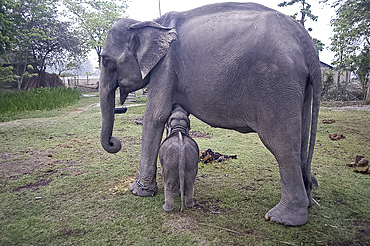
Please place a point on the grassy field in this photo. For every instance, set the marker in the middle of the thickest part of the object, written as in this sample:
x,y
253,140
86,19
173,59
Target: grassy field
x,y
59,187
14,103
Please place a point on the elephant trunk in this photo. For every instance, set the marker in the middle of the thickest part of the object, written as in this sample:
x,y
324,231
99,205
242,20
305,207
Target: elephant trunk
x,y
107,105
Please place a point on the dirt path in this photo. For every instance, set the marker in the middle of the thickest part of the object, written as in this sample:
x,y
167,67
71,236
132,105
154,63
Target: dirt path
x,y
358,108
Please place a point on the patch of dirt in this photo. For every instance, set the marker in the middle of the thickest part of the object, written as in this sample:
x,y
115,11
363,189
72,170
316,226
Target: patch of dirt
x,y
6,156
340,103
197,134
365,227
79,110
121,187
178,223
34,186
209,206
358,108
12,168
251,187
88,88
345,105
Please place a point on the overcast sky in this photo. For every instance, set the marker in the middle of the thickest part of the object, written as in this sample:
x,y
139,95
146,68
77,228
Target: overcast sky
x,y
148,10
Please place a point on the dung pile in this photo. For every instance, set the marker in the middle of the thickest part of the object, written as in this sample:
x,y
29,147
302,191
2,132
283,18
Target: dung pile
x,y
207,156
360,164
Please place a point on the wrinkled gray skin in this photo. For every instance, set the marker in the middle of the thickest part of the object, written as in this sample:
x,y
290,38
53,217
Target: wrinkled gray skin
x,y
238,66
179,156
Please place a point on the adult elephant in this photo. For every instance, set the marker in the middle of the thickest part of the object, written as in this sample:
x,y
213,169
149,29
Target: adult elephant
x,y
238,66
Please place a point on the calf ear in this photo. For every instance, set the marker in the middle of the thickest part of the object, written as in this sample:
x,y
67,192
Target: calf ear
x,y
150,43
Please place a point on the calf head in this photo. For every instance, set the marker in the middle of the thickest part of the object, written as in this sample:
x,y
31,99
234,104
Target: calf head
x,y
178,121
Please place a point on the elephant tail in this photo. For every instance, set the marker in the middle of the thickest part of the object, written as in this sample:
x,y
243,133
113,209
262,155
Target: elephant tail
x,y
315,80
182,168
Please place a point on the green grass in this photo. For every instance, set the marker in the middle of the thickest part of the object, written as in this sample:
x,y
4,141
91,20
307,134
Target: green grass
x,y
59,187
47,98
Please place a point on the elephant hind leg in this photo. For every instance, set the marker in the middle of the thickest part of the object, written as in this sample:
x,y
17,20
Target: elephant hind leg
x,y
168,201
189,192
171,187
285,144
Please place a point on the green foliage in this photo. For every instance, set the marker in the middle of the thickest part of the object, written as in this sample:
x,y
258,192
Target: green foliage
x,y
351,28
37,99
94,19
327,83
8,20
339,90
44,40
37,35
361,67
319,45
6,76
305,12
351,41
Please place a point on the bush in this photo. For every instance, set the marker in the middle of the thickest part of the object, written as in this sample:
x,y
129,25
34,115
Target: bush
x,y
38,99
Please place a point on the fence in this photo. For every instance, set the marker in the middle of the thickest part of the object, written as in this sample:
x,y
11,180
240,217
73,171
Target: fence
x,y
84,84
75,81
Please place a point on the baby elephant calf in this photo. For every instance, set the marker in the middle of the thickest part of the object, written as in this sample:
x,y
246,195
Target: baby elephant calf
x,y
179,156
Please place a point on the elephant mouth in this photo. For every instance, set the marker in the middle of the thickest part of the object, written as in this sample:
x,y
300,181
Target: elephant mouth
x,y
123,95
177,129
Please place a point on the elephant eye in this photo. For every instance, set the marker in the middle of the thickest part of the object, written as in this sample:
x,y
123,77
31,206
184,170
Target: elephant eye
x,y
110,64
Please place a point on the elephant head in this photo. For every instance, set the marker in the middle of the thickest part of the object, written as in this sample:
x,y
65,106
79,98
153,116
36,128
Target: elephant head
x,y
132,50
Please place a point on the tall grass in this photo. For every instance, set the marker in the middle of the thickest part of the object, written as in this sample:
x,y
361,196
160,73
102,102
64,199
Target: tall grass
x,y
38,99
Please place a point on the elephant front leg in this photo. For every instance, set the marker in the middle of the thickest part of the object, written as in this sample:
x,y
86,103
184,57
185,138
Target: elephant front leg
x,y
153,128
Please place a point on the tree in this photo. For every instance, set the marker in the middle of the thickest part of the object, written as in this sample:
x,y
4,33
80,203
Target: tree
x,y
327,83
26,73
6,76
43,39
361,67
94,19
305,12
351,40
8,32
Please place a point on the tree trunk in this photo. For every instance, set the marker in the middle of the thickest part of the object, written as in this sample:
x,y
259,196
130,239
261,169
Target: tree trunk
x,y
337,87
367,96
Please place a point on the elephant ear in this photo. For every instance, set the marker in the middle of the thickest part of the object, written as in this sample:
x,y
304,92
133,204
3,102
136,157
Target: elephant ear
x,y
150,44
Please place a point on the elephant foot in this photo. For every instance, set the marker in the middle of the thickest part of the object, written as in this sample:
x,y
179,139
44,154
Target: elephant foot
x,y
288,215
189,203
167,207
138,189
